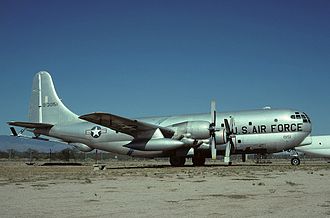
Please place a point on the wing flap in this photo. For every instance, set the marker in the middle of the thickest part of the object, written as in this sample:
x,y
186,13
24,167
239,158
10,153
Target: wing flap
x,y
135,128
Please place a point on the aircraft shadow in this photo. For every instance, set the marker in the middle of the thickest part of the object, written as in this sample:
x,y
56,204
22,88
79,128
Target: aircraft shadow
x,y
187,166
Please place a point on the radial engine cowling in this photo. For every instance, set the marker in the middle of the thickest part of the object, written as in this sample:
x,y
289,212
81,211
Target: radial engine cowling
x,y
82,147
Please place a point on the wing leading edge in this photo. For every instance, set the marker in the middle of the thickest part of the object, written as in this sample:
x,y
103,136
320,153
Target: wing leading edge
x,y
135,128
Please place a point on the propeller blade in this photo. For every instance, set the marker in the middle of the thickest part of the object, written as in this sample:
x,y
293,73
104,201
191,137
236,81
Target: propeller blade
x,y
13,130
212,130
213,149
228,130
227,153
232,145
213,112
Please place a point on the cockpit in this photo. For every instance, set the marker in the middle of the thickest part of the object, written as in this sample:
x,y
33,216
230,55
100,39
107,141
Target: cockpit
x,y
303,116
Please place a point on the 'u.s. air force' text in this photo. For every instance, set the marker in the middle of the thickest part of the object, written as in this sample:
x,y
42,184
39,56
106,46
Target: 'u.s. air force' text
x,y
294,127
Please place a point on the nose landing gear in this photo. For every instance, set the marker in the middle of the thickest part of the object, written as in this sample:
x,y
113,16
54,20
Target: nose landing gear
x,y
295,160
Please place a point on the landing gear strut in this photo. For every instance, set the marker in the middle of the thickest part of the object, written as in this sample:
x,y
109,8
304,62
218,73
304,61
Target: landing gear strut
x,y
177,161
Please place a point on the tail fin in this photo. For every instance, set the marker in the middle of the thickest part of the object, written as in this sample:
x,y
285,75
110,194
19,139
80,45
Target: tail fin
x,y
45,105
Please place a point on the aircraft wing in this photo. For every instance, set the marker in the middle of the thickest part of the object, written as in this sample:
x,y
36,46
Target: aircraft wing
x,y
135,128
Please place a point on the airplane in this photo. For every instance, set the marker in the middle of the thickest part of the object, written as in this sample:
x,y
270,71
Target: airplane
x,y
319,147
199,136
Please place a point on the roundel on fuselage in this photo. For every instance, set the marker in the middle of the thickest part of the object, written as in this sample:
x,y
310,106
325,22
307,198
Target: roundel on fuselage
x,y
96,132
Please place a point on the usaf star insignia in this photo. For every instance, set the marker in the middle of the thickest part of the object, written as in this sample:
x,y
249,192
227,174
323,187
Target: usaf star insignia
x,y
96,132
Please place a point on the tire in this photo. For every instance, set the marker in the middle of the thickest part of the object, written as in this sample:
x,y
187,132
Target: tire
x,y
198,161
177,161
243,158
295,161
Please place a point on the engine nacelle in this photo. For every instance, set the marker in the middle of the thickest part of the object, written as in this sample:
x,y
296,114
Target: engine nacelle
x,y
193,129
82,147
220,137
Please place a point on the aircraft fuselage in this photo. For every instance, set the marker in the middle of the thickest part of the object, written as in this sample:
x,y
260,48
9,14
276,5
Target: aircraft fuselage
x,y
264,130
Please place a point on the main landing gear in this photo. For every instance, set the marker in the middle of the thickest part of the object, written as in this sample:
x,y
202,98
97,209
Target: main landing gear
x,y
180,161
177,161
198,161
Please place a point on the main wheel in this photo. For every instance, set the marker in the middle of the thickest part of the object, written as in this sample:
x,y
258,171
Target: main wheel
x,y
295,161
177,161
198,161
243,157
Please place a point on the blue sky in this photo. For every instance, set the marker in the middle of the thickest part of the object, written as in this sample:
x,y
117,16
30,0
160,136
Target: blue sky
x,y
142,58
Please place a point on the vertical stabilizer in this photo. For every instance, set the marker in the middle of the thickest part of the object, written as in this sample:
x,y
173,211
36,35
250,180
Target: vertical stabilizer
x,y
45,105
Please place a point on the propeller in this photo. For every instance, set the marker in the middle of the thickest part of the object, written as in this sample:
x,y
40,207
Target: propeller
x,y
229,138
213,129
229,130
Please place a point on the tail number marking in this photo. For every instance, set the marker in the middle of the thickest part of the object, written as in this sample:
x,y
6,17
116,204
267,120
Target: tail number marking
x,y
50,104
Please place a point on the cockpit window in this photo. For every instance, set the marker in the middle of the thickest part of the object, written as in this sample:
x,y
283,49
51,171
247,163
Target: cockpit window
x,y
303,116
307,117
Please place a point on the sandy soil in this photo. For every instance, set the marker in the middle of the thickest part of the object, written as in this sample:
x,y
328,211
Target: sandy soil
x,y
154,189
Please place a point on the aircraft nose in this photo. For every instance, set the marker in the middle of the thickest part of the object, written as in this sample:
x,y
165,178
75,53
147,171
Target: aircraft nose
x,y
302,119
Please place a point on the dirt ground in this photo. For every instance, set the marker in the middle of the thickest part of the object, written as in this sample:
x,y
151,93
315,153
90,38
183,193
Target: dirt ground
x,y
150,188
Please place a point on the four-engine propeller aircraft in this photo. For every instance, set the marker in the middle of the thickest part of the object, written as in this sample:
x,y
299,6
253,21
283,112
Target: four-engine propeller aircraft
x,y
198,136
319,146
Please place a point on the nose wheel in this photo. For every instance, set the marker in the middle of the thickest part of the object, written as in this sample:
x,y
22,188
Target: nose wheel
x,y
295,161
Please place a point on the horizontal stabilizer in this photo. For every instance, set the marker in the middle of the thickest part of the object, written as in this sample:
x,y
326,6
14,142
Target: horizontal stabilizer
x,y
31,125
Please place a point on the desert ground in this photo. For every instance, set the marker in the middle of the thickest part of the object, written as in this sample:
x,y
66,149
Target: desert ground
x,y
152,188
